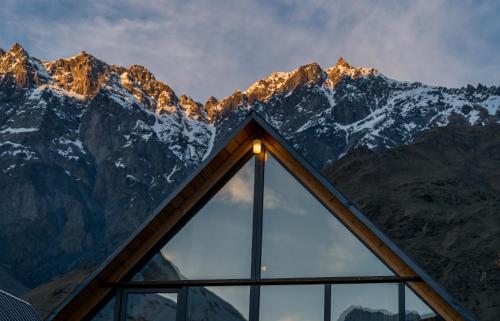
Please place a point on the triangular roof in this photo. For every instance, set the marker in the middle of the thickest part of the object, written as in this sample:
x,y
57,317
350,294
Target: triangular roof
x,y
120,264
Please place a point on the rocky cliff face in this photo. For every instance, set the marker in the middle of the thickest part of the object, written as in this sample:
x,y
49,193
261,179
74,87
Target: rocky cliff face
x,y
89,149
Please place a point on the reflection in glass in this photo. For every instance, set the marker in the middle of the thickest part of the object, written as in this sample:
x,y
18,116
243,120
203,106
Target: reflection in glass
x,y
416,309
301,238
151,306
224,303
361,302
216,242
291,303
107,312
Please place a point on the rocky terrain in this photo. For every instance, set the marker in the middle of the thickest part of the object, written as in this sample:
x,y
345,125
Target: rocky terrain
x,y
439,199
88,149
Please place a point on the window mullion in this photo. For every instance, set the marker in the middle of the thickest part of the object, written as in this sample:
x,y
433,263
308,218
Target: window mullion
x,y
328,302
257,216
121,304
257,235
182,298
254,303
401,296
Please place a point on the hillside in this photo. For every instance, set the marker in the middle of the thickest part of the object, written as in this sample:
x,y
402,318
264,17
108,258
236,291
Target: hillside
x,y
439,199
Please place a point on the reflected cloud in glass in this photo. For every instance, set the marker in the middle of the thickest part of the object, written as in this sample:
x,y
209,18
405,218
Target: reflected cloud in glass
x,y
216,242
301,238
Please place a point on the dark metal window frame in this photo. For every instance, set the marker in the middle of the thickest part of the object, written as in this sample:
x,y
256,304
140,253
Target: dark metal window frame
x,y
255,281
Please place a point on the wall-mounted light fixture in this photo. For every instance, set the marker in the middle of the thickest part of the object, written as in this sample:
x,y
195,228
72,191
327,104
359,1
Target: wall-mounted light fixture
x,y
257,146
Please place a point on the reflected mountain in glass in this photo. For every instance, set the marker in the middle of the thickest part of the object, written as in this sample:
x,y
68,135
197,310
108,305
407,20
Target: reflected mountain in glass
x,y
203,303
157,268
360,313
207,304
151,307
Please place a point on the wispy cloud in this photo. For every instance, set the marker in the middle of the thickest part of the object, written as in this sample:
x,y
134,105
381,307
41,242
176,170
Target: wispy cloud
x,y
214,47
238,190
276,201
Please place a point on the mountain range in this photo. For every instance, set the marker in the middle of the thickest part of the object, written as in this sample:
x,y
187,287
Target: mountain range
x,y
89,149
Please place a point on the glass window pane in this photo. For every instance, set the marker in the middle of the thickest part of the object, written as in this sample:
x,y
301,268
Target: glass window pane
x,y
151,306
417,309
227,303
361,302
292,303
301,238
216,243
107,313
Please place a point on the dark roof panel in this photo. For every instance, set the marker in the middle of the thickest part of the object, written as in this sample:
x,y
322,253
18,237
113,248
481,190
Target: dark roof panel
x,y
14,309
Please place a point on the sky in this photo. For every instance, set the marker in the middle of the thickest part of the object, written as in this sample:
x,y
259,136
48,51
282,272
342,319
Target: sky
x,y
212,48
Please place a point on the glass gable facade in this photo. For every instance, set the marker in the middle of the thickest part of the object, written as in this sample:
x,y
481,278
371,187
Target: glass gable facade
x,y
264,248
216,243
301,238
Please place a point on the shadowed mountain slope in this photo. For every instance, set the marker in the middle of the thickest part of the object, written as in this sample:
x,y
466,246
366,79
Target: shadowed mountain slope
x,y
439,199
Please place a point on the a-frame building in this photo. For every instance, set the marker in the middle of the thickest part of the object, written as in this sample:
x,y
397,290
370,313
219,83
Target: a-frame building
x,y
257,234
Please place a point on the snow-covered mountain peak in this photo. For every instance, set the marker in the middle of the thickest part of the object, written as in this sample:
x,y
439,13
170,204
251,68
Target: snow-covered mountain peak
x,y
211,106
82,74
280,82
12,59
192,108
152,93
18,50
284,83
343,69
18,69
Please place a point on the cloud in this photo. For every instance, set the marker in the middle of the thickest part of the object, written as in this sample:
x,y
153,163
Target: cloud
x,y
239,189
277,201
214,47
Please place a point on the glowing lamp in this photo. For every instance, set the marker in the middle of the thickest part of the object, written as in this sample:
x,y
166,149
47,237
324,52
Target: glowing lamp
x,y
257,146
